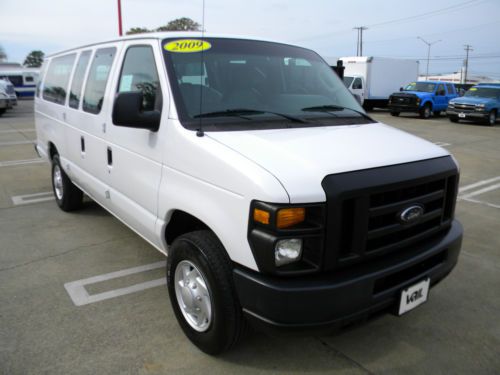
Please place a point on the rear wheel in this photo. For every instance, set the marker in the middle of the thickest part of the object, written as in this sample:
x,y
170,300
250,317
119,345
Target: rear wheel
x,y
202,294
68,196
426,111
394,113
492,118
2,111
453,118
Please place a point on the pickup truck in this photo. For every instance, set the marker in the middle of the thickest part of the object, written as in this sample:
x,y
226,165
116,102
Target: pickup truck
x,y
424,97
480,103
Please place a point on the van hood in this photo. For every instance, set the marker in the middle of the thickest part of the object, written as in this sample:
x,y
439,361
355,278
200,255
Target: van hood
x,y
300,158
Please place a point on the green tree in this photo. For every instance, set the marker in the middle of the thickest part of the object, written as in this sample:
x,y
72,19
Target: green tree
x,y
180,24
34,59
137,30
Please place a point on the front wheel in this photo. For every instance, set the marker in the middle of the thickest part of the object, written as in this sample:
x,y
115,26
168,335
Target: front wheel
x,y
492,118
394,113
202,294
426,111
453,118
68,196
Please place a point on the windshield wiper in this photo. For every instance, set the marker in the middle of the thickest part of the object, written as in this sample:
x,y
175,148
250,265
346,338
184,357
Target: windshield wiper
x,y
333,108
242,112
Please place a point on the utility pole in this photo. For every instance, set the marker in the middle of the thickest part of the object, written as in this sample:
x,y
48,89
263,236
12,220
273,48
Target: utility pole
x,y
120,31
468,48
359,47
429,44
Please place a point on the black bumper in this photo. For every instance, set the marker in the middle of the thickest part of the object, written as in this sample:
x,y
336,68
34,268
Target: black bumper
x,y
403,108
338,298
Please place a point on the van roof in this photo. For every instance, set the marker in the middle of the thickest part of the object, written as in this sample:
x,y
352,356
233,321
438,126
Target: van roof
x,y
164,35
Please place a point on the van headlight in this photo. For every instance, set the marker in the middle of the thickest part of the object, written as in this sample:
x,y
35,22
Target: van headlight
x,y
285,238
287,251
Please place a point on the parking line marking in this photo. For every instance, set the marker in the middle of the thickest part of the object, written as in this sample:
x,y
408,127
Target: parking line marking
x,y
481,191
481,202
479,183
80,296
32,198
16,131
14,143
20,162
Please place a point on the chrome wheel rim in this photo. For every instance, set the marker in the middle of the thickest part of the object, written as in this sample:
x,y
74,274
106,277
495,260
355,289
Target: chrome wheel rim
x,y
427,112
492,118
58,182
193,296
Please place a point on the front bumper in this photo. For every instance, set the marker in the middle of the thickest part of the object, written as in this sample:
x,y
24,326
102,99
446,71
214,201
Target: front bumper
x,y
403,108
476,115
331,300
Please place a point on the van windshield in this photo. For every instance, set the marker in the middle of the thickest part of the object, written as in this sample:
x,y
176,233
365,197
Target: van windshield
x,y
234,84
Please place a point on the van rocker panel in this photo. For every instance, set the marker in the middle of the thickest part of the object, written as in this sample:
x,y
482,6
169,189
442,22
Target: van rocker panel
x,y
333,299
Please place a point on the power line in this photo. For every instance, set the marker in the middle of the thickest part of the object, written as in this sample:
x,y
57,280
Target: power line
x,y
427,14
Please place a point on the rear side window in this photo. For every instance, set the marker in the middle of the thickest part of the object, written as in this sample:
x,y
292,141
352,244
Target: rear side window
x,y
97,80
57,78
76,86
139,74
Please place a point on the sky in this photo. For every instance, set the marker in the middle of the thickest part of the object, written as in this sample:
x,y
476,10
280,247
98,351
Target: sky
x,y
325,26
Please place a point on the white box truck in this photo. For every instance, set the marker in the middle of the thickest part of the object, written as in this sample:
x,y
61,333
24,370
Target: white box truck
x,y
373,79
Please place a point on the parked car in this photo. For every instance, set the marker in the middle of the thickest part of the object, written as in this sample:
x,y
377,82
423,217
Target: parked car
x,y
480,103
7,87
4,101
275,197
423,97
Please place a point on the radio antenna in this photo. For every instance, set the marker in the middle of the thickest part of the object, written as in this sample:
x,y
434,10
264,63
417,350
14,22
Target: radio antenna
x,y
200,132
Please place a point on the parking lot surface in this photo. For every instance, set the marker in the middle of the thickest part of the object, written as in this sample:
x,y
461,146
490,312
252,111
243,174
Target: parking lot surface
x,y
80,293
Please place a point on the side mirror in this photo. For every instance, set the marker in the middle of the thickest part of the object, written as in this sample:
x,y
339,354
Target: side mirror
x,y
127,111
400,89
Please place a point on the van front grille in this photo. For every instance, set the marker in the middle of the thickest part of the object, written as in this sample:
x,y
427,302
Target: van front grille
x,y
365,209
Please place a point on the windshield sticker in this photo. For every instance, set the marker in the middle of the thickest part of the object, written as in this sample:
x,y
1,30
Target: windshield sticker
x,y
187,46
473,89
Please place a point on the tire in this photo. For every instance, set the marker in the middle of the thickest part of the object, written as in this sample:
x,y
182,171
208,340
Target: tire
x,y
492,118
199,256
68,196
2,111
394,113
453,118
426,111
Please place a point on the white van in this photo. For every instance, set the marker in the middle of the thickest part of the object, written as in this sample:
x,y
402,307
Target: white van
x,y
276,199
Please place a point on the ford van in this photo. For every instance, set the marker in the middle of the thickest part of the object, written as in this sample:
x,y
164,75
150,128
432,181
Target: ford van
x,y
277,200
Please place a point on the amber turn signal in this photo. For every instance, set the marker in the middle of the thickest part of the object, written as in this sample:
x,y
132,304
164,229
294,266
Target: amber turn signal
x,y
261,216
288,217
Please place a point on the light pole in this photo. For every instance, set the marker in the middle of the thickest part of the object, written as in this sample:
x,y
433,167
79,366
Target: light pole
x,y
429,44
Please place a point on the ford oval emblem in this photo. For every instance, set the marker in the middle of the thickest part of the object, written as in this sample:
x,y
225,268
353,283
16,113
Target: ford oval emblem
x,y
411,214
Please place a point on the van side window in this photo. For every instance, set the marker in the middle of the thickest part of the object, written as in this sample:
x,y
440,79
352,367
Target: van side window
x,y
56,81
139,74
76,86
39,82
97,80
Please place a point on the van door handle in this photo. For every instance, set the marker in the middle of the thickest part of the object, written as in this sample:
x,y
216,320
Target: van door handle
x,y
110,157
82,144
